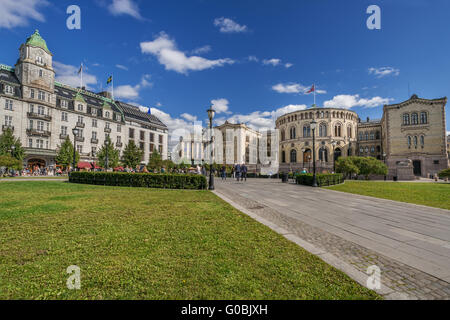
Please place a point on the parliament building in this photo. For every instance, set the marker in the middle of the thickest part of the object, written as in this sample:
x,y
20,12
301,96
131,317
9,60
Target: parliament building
x,y
42,112
411,133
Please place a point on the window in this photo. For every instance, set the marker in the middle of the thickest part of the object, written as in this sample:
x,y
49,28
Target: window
x,y
142,135
8,105
41,73
306,131
293,156
323,130
64,103
337,131
160,139
283,157
131,133
361,150
409,142
349,132
142,146
94,151
31,108
30,124
367,150
40,125
41,95
423,118
372,149
80,119
107,114
435,161
80,107
377,135
119,139
283,135
406,119
41,110
366,136
64,130
292,133
39,60
94,135
40,144
323,155
160,149
32,93
119,128
94,123
9,89
64,116
422,141
152,137
8,121
152,147
107,125
79,149
415,142
372,136
414,118
30,143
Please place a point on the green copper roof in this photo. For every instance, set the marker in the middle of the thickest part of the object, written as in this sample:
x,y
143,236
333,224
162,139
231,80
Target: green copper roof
x,y
79,97
36,40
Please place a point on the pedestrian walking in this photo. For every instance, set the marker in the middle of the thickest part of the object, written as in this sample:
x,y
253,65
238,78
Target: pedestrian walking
x,y
244,172
238,172
223,172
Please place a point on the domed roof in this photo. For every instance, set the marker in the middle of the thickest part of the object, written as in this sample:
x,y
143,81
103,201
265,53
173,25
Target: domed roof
x,y
36,40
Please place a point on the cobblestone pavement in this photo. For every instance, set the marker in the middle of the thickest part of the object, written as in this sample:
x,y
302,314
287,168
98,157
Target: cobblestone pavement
x,y
265,199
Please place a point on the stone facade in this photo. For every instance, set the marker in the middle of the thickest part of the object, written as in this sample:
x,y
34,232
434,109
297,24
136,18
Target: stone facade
x,y
410,132
42,112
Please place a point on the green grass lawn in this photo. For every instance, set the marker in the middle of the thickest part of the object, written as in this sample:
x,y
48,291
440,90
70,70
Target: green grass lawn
x,y
428,194
134,243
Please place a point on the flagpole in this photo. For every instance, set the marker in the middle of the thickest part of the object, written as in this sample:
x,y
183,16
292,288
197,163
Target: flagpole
x,y
81,87
314,94
112,87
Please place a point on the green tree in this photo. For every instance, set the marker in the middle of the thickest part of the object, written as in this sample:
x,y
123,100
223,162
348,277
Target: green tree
x,y
369,165
444,174
10,162
64,156
155,162
132,155
7,141
346,166
113,155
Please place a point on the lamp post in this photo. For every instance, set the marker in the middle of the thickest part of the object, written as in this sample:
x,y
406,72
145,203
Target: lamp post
x,y
106,155
303,160
13,148
313,127
75,132
211,113
334,143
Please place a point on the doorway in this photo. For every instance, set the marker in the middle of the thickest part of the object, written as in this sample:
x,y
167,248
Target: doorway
x,y
417,164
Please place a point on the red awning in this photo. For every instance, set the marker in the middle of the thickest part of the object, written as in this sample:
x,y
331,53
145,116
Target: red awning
x,y
84,165
95,166
118,169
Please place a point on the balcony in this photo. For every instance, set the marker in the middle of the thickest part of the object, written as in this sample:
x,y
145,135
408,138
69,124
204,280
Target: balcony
x,y
94,141
119,144
79,139
80,125
107,130
39,116
5,127
63,136
38,133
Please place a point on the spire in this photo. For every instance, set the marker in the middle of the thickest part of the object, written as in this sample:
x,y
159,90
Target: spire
x,y
35,40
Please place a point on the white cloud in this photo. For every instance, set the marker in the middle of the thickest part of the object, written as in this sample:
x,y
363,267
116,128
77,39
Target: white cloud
x,y
68,75
229,26
350,101
189,117
294,88
384,71
132,92
288,65
124,7
253,59
122,67
261,120
166,51
220,106
273,62
18,13
200,50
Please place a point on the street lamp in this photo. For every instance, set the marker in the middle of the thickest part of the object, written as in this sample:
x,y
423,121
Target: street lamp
x,y
334,143
313,127
13,148
211,113
106,156
75,132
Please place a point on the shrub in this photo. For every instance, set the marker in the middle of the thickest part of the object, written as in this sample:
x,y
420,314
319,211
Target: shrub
x,y
145,180
444,174
326,179
365,166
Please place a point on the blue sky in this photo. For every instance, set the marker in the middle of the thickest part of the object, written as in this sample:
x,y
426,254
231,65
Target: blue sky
x,y
253,59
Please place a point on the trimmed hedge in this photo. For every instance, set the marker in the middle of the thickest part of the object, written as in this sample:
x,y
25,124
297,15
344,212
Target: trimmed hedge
x,y
143,180
323,180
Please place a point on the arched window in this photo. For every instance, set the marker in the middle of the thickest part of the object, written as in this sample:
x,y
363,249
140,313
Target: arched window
x,y
283,157
323,155
283,135
372,149
372,136
323,130
292,133
414,118
422,141
306,131
293,156
361,150
337,130
409,142
349,132
415,142
423,118
366,136
406,119
361,136
377,135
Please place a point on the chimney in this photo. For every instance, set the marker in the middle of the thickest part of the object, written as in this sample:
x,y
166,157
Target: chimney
x,y
105,94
